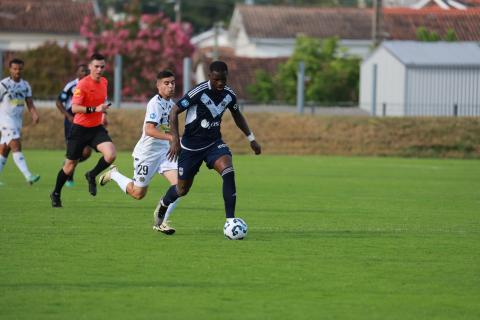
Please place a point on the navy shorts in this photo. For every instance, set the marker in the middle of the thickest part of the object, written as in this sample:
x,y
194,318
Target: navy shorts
x,y
80,137
189,162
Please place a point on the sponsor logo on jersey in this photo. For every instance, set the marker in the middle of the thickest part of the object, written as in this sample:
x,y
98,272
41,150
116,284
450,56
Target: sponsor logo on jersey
x,y
223,145
207,125
184,103
142,179
180,171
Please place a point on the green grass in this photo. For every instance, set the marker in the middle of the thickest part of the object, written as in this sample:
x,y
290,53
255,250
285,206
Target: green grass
x,y
329,238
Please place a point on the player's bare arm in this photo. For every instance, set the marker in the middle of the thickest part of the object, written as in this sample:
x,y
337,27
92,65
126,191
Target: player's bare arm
x,y
175,148
152,131
62,109
242,124
33,110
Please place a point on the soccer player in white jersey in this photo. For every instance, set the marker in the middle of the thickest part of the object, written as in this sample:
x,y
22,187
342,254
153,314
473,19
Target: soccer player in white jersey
x,y
150,153
64,105
14,94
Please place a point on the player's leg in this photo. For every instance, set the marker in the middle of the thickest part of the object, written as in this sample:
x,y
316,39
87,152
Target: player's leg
x,y
16,146
165,227
224,167
189,163
4,151
172,178
103,143
75,144
67,127
142,175
220,159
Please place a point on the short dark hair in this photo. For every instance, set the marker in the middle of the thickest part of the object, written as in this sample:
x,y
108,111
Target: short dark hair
x,y
97,56
165,74
82,65
218,66
15,61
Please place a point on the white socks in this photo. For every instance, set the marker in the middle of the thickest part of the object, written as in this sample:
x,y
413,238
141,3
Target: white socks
x,y
121,180
21,164
3,161
170,209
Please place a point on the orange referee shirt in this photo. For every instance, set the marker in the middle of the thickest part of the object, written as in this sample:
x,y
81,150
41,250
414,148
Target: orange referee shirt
x,y
90,93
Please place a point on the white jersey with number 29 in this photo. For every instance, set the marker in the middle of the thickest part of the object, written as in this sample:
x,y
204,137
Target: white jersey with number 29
x,y
158,110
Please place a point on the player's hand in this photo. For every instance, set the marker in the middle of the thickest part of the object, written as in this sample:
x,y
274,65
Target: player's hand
x,y
103,107
174,150
35,118
255,147
69,117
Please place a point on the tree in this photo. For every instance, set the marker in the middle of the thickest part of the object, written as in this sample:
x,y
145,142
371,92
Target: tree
x,y
147,43
47,68
263,90
331,75
423,34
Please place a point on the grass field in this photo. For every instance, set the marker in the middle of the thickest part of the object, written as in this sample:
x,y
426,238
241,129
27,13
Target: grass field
x,y
329,238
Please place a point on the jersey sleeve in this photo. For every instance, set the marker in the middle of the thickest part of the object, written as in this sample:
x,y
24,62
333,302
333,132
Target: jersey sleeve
x,y
79,94
66,92
233,105
153,114
3,91
28,93
185,102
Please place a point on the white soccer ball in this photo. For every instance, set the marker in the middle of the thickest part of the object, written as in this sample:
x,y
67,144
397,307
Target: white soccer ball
x,y
235,229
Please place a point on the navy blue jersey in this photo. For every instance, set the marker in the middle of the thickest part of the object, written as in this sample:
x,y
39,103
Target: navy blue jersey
x,y
66,95
205,107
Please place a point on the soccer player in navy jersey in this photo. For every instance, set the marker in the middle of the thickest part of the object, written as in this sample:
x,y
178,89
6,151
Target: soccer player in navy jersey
x,y
202,139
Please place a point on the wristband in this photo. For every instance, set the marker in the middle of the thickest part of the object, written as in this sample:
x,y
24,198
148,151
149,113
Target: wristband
x,y
91,109
251,137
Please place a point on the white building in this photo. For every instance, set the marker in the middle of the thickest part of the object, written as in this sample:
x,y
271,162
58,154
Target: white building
x,y
410,78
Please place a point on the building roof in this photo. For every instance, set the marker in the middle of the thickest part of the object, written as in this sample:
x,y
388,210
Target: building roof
x,y
49,16
356,24
415,53
288,22
402,23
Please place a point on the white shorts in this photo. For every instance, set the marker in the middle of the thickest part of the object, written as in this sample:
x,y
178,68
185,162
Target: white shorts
x,y
145,169
8,134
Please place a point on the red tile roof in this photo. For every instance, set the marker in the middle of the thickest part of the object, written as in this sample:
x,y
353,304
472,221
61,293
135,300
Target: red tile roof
x,y
353,23
287,22
402,23
49,16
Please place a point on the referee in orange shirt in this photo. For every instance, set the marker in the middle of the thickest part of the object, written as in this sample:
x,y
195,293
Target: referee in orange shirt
x,y
89,104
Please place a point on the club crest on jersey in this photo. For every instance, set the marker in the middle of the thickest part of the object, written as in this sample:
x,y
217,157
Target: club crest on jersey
x,y
184,103
153,115
77,92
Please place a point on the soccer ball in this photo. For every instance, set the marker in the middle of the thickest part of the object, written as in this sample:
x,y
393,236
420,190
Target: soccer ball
x,y
235,229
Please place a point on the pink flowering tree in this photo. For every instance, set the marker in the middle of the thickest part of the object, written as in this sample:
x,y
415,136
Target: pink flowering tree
x,y
147,43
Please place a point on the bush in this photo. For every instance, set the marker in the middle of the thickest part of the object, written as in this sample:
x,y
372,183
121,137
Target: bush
x,y
47,69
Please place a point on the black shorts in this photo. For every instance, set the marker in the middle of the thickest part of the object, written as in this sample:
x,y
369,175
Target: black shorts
x,y
80,137
189,162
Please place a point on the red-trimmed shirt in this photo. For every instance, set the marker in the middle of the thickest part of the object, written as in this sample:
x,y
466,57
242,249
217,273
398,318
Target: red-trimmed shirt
x,y
89,93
